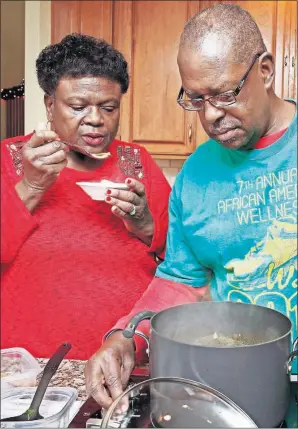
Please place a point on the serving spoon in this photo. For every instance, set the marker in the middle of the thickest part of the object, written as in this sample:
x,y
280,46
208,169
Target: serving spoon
x,y
50,369
86,152
42,127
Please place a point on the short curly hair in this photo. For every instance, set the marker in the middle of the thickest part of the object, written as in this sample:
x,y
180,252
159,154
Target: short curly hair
x,y
79,55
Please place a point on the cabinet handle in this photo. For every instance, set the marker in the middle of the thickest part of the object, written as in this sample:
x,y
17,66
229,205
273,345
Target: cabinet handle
x,y
189,133
286,61
293,61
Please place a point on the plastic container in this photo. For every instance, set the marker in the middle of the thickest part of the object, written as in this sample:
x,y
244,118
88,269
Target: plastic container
x,y
55,407
18,368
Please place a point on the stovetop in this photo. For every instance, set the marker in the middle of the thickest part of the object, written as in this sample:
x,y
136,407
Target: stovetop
x,y
90,414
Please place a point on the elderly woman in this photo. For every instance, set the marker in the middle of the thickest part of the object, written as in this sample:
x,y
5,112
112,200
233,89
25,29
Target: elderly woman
x,y
71,266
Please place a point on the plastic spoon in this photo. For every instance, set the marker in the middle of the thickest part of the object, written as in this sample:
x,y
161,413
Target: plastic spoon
x,y
50,369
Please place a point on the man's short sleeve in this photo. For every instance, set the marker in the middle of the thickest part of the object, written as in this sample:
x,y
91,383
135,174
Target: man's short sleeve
x,y
181,264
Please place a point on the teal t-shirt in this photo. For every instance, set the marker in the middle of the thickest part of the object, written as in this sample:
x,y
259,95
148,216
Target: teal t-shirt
x,y
233,224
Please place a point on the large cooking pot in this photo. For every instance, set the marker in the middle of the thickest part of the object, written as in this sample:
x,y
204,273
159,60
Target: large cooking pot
x,y
241,350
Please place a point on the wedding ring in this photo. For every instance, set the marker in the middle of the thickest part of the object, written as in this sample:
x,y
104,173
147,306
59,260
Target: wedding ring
x,y
133,212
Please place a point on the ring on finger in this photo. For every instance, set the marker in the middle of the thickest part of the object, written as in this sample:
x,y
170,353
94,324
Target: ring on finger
x,y
133,211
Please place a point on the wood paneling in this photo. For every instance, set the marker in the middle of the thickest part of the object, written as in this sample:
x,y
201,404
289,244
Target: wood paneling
x,y
97,18
156,79
293,52
286,50
122,40
65,19
88,17
281,61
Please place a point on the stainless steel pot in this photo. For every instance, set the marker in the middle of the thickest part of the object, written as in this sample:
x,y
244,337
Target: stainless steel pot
x,y
255,374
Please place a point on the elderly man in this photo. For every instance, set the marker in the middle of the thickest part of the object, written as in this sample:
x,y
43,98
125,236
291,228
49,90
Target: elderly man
x,y
233,209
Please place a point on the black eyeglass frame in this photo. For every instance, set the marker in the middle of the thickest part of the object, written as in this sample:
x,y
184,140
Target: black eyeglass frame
x,y
234,92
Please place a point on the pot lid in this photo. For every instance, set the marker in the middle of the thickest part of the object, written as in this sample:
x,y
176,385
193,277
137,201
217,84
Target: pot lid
x,y
174,403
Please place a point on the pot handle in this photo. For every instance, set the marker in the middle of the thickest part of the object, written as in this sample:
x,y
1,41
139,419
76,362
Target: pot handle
x,y
292,356
130,328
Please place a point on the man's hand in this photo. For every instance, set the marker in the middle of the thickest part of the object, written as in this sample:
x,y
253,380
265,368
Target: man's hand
x,y
132,207
44,156
107,372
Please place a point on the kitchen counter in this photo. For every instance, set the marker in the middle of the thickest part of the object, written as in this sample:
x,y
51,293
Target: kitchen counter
x,y
69,374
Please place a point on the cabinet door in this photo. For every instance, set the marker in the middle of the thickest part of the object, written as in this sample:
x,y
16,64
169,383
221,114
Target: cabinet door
x,y
293,52
148,34
65,19
89,17
97,19
286,50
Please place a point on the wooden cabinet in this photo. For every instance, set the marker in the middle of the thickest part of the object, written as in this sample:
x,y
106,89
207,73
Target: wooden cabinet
x,y
90,17
147,33
286,49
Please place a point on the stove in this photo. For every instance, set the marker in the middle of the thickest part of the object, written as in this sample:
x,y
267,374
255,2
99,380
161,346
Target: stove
x,y
90,414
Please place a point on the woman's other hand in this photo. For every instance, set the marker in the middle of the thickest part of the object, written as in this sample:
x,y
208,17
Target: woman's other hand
x,y
132,207
44,156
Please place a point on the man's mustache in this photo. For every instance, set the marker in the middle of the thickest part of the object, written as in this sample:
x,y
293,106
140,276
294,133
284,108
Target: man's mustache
x,y
223,128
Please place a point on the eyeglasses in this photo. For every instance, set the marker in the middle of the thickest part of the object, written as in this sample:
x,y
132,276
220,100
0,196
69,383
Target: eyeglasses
x,y
221,100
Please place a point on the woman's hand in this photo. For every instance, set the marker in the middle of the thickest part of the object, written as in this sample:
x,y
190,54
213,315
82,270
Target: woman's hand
x,y
132,207
44,156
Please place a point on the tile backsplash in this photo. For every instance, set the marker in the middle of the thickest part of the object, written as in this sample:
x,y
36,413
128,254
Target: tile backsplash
x,y
170,168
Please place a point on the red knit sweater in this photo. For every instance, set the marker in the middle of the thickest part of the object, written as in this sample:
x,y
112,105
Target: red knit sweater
x,y
70,270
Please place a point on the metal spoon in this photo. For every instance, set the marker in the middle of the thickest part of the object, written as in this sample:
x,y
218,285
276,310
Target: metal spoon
x,y
85,152
50,369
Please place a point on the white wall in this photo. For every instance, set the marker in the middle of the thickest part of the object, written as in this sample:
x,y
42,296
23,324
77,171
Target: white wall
x,y
37,36
170,168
